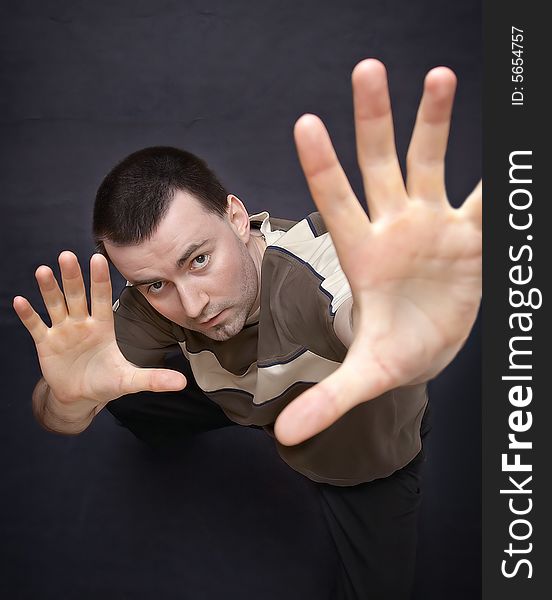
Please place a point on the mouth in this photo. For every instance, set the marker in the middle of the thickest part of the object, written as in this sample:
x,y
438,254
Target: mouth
x,y
213,320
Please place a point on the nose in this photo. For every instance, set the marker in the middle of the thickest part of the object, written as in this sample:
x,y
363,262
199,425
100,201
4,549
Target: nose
x,y
193,300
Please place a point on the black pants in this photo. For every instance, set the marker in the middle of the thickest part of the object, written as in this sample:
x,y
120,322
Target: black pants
x,y
374,528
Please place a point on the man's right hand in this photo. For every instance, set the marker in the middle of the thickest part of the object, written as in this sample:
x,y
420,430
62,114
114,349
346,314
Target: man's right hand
x,y
79,356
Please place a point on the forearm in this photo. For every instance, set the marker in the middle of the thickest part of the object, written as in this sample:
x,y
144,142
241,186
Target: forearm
x,y
66,418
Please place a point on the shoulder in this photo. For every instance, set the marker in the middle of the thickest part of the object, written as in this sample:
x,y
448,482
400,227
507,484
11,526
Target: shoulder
x,y
132,306
306,257
304,285
140,330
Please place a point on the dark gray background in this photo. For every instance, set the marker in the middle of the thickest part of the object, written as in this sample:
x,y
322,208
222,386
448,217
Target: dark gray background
x,y
83,85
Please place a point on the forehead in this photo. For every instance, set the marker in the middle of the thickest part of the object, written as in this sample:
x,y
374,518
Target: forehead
x,y
185,223
185,220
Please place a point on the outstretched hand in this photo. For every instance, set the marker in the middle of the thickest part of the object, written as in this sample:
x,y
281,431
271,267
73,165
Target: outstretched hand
x,y
413,265
79,356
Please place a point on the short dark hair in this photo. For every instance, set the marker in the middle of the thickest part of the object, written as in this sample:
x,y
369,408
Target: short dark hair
x,y
136,194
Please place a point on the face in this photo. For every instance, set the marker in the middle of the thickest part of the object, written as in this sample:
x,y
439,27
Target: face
x,y
197,269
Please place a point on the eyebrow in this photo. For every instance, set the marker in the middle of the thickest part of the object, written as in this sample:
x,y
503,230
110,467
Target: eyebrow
x,y
179,263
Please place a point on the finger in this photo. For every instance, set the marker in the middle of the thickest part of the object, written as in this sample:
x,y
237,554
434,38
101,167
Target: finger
x,y
473,205
154,380
73,285
100,289
32,321
425,159
344,216
51,294
375,140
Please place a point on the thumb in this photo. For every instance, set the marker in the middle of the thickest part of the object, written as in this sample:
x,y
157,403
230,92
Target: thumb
x,y
155,380
321,406
361,377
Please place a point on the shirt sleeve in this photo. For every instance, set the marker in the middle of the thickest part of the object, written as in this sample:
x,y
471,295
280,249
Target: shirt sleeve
x,y
143,335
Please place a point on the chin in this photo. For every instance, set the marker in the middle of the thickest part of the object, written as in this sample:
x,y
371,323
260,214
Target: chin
x,y
227,330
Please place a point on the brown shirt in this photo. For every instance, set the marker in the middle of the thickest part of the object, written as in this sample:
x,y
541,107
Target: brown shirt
x,y
288,346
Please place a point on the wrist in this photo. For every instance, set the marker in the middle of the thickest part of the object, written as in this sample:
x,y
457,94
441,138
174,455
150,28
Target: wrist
x,y
62,417
61,420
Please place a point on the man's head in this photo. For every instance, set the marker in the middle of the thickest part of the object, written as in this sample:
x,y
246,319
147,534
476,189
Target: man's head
x,y
170,228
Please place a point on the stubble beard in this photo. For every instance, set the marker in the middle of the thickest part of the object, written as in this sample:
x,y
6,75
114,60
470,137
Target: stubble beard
x,y
236,322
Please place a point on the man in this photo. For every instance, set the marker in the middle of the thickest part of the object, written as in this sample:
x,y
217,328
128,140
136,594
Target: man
x,y
323,332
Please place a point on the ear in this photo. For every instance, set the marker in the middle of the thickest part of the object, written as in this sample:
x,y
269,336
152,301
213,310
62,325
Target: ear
x,y
238,217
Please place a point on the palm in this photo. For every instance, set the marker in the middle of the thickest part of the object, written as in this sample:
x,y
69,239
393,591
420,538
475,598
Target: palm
x,y
87,352
416,283
413,265
79,356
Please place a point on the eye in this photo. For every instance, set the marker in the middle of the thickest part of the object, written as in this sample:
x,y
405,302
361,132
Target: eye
x,y
156,288
200,261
